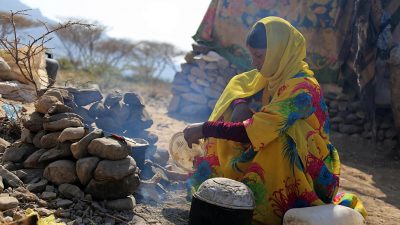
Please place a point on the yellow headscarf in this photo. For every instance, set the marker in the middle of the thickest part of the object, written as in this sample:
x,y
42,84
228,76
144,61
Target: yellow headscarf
x,y
286,50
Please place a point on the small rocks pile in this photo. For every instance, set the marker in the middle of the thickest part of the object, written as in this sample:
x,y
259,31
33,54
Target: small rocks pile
x,y
348,117
121,114
198,86
56,148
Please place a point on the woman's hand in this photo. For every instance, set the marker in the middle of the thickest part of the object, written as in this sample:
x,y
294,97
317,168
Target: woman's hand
x,y
193,133
241,112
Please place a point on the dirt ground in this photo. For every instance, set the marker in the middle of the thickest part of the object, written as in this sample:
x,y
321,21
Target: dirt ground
x,y
366,171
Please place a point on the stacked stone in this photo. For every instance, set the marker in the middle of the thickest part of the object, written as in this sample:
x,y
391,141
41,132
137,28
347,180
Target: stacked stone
x,y
55,147
197,87
123,114
118,113
348,117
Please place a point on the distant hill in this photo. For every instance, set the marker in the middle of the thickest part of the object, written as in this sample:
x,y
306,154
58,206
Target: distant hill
x,y
55,43
35,14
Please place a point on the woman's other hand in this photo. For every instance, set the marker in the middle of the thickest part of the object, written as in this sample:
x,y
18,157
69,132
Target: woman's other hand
x,y
193,133
241,112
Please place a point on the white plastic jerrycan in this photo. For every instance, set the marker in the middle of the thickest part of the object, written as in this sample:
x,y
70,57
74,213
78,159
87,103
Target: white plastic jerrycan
x,y
323,215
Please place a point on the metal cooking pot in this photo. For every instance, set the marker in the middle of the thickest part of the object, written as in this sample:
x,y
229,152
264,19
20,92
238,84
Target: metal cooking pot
x,y
222,201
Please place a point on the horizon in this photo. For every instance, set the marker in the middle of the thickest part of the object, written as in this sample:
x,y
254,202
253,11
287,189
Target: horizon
x,y
134,20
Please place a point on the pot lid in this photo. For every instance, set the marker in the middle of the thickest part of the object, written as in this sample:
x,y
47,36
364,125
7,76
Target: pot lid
x,y
226,193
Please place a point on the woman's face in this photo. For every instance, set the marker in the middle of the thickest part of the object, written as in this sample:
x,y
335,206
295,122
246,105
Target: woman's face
x,y
257,57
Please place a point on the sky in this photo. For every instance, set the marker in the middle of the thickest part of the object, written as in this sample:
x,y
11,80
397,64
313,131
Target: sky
x,y
172,21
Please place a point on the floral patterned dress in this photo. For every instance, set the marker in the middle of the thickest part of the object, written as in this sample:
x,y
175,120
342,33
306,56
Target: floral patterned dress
x,y
290,162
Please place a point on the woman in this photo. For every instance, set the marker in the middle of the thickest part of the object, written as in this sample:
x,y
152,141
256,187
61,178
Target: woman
x,y
282,151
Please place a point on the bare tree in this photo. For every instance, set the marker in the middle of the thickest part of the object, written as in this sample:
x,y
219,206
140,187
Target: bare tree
x,y
23,53
21,22
151,58
114,52
80,41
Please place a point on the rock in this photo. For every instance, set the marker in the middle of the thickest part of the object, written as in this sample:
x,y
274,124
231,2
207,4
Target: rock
x,y
62,124
108,148
4,67
72,134
61,172
29,175
50,188
145,120
195,98
61,116
61,108
161,157
128,203
174,104
391,144
349,129
211,104
381,135
194,110
26,136
37,138
391,133
367,126
48,195
132,98
44,212
8,203
84,97
198,72
33,160
342,106
333,104
211,66
70,191
35,122
88,197
200,49
61,151
120,111
112,99
367,134
1,184
350,118
120,189
8,219
63,203
37,187
18,152
10,166
360,114
98,207
98,110
84,113
387,123
181,88
3,145
354,106
85,168
9,178
111,124
212,93
203,82
79,149
108,170
58,93
49,140
44,103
